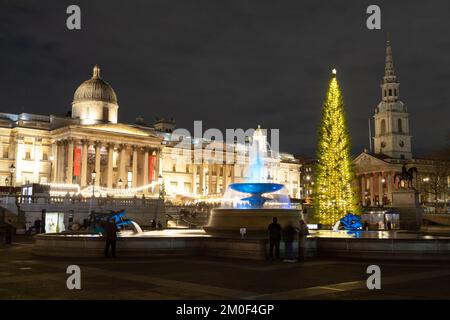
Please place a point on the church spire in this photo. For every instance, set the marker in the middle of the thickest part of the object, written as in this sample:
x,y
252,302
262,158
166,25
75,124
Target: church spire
x,y
389,73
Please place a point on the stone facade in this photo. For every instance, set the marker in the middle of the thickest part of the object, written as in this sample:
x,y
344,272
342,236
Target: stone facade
x,y
138,157
376,170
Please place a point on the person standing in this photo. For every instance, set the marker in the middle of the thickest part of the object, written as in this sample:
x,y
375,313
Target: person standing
x,y
302,238
9,230
274,238
37,226
28,228
111,238
289,234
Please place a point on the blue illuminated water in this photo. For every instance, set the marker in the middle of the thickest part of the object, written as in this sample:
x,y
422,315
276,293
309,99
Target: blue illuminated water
x,y
256,200
256,184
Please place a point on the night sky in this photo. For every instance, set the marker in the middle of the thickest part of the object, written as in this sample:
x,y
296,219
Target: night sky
x,y
232,64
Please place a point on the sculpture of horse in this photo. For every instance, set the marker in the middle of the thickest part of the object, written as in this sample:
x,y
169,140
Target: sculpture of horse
x,y
406,176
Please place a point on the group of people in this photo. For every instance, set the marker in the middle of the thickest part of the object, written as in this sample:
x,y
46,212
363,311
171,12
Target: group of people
x,y
29,227
288,234
9,229
154,225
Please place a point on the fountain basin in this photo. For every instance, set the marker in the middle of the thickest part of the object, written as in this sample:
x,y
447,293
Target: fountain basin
x,y
256,190
370,245
229,221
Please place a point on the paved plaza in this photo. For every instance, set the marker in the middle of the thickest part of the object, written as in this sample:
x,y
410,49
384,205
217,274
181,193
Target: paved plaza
x,y
24,276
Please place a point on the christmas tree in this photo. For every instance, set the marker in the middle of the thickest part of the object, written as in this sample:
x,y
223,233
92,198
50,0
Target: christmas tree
x,y
333,192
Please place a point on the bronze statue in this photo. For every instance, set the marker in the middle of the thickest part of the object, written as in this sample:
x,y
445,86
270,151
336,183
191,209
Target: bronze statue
x,y
405,178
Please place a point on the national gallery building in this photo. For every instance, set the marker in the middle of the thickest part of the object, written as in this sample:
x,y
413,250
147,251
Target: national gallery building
x,y
90,150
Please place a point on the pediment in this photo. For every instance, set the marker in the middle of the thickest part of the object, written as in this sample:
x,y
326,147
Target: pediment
x,y
118,128
368,160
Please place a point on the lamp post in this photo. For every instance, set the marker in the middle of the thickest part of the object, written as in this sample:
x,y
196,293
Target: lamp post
x,y
119,183
12,169
93,183
93,191
51,167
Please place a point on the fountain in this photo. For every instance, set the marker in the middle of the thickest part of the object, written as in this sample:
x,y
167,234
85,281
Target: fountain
x,y
250,205
253,204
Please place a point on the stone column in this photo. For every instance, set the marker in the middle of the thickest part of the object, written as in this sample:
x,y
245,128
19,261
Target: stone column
x,y
109,178
372,196
69,168
122,159
226,169
201,178
158,169
380,187
19,161
37,159
232,173
218,167
210,180
134,167
61,161
159,166
389,187
145,170
57,160
84,162
97,169
194,178
290,183
363,190
54,162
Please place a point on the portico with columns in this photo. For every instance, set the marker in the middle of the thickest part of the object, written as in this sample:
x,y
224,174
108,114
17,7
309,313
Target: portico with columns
x,y
121,156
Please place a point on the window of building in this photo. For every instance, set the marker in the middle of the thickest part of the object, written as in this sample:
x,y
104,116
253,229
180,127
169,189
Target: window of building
x,y
390,92
105,114
27,155
45,156
187,169
130,178
5,154
174,168
383,126
400,125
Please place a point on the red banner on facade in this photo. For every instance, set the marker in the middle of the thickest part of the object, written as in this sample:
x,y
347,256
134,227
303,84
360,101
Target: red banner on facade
x,y
77,162
151,168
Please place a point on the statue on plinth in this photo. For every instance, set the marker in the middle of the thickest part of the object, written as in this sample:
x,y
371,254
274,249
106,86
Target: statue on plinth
x,y
405,178
405,199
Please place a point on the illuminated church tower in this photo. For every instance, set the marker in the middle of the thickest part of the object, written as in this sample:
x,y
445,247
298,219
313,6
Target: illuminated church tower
x,y
392,135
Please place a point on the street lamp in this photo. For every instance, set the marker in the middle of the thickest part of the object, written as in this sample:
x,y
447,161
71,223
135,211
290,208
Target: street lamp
x,y
93,183
51,158
93,191
12,169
